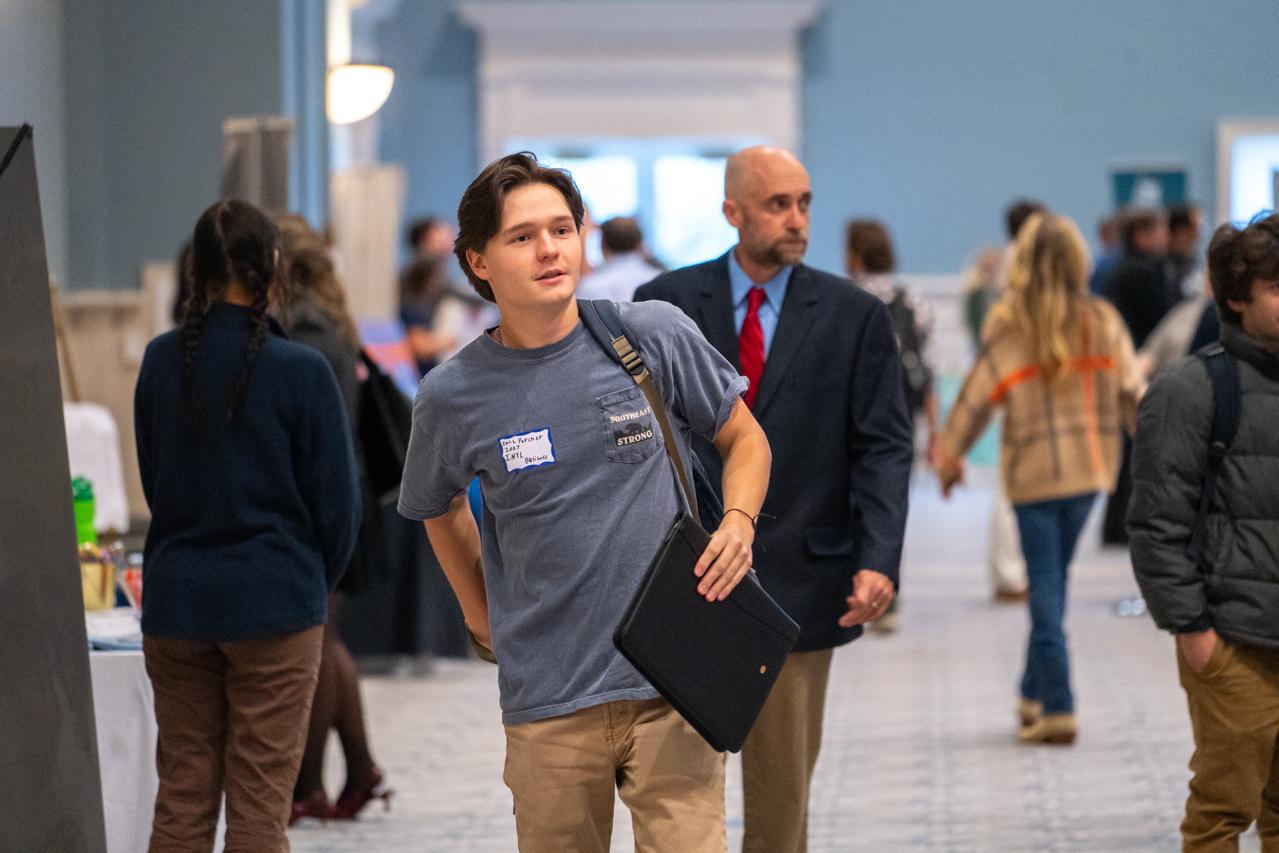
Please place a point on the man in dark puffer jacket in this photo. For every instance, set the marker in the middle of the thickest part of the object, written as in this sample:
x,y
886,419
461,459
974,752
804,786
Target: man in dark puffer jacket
x,y
1224,609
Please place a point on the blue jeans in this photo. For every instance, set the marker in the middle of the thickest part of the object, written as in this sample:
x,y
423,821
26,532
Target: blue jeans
x,y
1049,531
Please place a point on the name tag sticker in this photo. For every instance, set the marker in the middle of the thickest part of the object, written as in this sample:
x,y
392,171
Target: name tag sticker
x,y
527,450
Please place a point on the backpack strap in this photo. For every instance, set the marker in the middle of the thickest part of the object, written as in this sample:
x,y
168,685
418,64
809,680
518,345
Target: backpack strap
x,y
1227,399
601,319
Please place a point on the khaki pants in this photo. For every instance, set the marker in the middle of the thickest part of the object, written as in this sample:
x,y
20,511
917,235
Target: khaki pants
x,y
563,771
780,754
231,716
1234,711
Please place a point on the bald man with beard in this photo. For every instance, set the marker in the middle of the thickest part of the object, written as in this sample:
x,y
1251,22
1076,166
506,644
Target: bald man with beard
x,y
826,386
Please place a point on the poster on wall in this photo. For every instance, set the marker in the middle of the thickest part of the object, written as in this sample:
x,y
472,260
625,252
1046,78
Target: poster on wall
x,y
1156,187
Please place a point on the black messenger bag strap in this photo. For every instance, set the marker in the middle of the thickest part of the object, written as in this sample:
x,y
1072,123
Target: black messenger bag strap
x,y
604,323
1227,399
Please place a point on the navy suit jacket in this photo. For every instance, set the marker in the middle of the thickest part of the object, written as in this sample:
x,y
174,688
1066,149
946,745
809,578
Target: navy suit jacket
x,y
831,403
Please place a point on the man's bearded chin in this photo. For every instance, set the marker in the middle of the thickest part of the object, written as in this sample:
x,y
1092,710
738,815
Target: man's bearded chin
x,y
777,254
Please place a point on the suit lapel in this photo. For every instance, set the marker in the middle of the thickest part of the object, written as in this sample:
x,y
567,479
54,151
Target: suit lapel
x,y
799,310
716,314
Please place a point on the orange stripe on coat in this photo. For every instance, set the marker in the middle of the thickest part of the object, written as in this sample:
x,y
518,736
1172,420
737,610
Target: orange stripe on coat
x,y
1017,377
1084,364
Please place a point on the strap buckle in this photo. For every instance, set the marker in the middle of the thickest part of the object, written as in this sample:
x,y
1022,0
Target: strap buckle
x,y
630,358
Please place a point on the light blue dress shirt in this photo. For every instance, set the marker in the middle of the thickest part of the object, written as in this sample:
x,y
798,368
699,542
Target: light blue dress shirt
x,y
769,310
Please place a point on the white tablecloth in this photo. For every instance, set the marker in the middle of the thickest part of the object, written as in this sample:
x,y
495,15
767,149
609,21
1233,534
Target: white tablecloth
x,y
125,711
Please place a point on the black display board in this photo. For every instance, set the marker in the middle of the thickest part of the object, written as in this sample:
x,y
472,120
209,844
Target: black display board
x,y
50,790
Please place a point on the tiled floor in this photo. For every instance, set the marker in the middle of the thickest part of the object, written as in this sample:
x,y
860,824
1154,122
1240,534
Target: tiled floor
x,y
918,753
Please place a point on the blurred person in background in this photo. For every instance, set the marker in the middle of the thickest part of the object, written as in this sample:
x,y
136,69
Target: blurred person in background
x,y
246,461
626,264
871,263
1139,288
980,289
1185,226
1112,249
1047,340
439,310
1192,324
319,318
423,286
431,237
1210,571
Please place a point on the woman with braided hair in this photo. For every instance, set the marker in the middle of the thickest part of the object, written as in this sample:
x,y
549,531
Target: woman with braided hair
x,y
248,468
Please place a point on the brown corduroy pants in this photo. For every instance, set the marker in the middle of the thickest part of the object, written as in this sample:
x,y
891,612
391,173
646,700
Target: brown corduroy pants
x,y
232,717
1234,711
780,754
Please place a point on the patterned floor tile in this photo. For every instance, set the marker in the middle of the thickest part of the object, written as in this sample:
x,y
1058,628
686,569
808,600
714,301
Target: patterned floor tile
x,y
918,753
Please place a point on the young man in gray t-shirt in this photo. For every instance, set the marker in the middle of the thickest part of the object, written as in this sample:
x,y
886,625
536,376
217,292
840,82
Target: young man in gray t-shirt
x,y
578,494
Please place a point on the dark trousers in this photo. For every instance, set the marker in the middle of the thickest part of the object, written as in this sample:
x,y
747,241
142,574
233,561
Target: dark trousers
x,y
1113,530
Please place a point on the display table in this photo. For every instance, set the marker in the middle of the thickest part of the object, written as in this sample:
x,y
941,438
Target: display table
x,y
124,709
125,713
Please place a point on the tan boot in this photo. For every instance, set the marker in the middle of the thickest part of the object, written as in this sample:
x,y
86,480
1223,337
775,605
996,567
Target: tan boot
x,y
1029,710
1057,729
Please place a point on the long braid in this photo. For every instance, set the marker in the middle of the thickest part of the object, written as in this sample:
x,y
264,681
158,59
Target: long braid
x,y
194,310
192,325
234,244
252,280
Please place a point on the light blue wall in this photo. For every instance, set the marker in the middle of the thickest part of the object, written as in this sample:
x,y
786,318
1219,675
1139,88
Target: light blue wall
x,y
32,92
149,83
934,115
429,122
931,115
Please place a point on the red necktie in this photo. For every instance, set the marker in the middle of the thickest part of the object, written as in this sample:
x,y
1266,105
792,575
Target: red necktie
x,y
750,344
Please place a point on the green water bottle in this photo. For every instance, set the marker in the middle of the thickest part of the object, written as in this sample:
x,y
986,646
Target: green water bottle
x,y
82,494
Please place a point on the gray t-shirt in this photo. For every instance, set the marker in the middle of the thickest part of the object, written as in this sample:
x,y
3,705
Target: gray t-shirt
x,y
577,487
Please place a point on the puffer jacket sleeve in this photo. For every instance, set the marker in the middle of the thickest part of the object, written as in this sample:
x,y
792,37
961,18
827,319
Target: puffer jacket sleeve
x,y
1170,455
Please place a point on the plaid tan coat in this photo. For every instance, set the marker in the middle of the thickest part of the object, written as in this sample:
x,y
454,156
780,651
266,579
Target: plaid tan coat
x,y
1062,438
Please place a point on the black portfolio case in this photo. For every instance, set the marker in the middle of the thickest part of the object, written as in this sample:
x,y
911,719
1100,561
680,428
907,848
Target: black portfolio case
x,y
715,662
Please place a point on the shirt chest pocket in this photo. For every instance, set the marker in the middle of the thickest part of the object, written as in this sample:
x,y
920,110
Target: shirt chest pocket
x,y
628,426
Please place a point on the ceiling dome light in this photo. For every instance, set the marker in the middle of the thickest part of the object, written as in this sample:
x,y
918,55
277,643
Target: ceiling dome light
x,y
357,91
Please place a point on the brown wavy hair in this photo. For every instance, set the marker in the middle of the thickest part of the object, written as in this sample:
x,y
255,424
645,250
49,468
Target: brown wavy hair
x,y
312,275
479,215
869,240
1237,258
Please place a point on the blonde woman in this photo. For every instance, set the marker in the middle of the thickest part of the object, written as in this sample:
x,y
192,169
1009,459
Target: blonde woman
x,y
1061,364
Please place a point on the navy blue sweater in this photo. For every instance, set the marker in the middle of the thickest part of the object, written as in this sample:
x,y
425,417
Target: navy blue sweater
x,y
253,520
